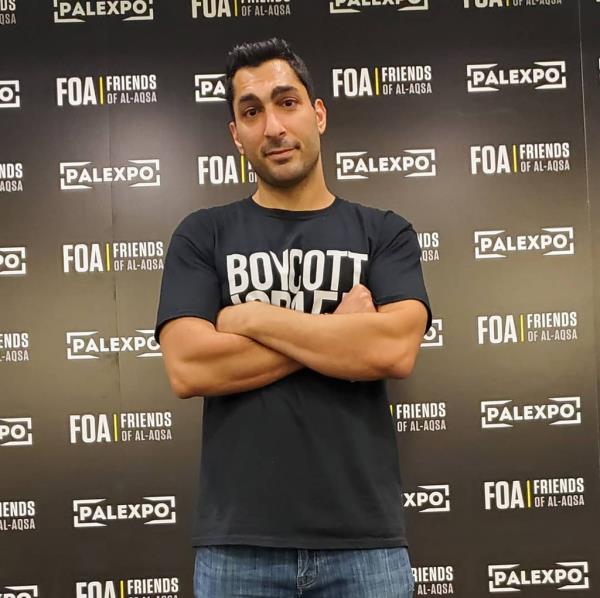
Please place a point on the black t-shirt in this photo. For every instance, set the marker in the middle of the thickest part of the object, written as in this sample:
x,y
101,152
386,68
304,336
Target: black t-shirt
x,y
309,461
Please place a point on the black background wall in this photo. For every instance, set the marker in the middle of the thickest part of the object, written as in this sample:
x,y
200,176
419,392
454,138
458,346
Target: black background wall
x,y
488,114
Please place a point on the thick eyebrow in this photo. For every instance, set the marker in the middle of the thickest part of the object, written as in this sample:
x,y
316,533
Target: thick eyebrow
x,y
279,89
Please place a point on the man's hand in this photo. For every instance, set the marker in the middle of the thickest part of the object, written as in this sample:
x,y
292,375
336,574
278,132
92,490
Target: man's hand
x,y
361,344
233,317
357,300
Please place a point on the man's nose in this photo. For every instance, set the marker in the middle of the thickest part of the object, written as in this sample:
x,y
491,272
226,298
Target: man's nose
x,y
273,126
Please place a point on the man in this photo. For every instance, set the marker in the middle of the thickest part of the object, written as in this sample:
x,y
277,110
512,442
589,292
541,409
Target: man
x,y
300,490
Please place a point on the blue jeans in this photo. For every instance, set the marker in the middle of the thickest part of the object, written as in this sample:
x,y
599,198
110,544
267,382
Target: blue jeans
x,y
259,572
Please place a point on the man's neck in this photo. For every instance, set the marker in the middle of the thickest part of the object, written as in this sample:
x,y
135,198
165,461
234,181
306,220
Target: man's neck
x,y
309,194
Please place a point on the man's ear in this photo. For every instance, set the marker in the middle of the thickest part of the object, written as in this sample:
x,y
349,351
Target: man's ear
x,y
233,131
321,113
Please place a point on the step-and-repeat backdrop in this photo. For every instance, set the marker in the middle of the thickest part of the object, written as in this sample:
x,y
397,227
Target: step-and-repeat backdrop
x,y
477,120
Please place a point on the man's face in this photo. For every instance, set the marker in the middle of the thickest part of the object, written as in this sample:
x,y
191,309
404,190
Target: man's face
x,y
276,127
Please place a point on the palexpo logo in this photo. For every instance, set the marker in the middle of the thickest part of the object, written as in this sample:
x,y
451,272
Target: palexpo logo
x,y
12,261
561,411
433,498
435,335
10,94
85,345
210,87
356,6
571,575
494,244
76,11
16,431
359,165
90,512
551,74
137,173
19,592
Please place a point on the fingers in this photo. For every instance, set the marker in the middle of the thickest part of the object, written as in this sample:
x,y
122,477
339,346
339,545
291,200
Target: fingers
x,y
357,300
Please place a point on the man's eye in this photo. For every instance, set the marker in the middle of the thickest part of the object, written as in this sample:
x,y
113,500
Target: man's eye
x,y
250,112
289,102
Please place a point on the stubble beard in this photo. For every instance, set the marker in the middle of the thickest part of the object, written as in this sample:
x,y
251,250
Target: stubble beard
x,y
266,175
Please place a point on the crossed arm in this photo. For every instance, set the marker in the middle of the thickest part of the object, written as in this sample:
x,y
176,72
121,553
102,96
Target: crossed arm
x,y
255,344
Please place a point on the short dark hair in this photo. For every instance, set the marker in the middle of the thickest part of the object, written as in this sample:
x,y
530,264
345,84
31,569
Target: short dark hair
x,y
254,54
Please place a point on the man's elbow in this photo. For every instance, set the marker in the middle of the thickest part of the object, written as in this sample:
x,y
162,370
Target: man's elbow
x,y
402,365
180,388
183,392
182,384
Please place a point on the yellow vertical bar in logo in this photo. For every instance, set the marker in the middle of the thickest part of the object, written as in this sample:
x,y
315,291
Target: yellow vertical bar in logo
x,y
529,494
522,320
243,163
515,157
391,410
115,428
376,81
235,7
122,589
108,257
101,89
507,2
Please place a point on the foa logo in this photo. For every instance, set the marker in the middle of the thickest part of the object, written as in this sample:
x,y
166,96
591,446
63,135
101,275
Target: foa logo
x,y
153,587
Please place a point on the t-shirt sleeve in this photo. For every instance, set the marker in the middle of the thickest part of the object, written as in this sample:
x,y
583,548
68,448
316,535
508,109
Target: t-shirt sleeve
x,y
395,266
190,285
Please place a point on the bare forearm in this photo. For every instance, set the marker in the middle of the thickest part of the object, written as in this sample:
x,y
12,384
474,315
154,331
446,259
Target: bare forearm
x,y
235,364
360,346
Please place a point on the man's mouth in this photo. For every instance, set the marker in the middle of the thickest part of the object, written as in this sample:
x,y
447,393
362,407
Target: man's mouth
x,y
280,152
